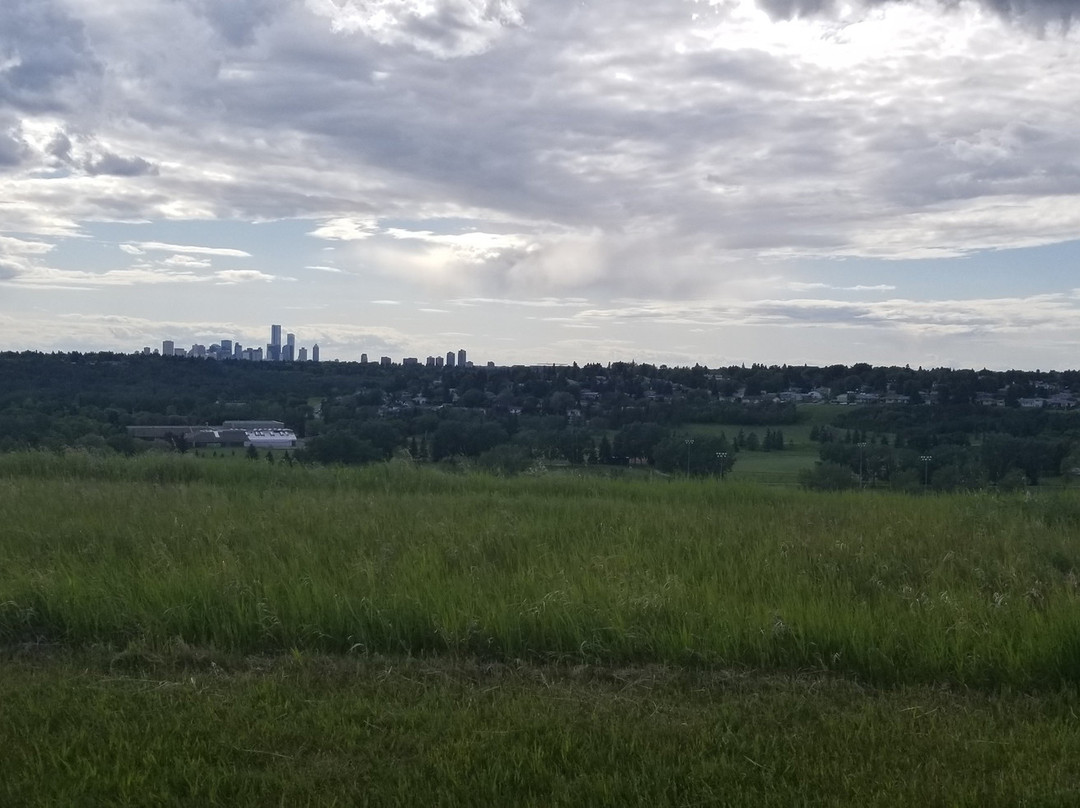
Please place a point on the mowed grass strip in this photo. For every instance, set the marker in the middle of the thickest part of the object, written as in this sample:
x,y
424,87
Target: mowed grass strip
x,y
246,557
88,729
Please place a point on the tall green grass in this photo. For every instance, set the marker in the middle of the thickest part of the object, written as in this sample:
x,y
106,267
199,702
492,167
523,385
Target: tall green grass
x,y
248,557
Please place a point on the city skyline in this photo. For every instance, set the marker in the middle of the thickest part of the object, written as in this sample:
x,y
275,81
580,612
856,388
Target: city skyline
x,y
287,351
716,182
228,348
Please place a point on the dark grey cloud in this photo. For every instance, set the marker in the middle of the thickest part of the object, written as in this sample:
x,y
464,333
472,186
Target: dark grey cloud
x,y
116,166
237,21
48,49
1037,11
60,147
13,149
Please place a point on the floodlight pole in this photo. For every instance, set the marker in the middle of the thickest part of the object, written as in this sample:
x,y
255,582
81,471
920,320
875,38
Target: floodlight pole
x,y
926,468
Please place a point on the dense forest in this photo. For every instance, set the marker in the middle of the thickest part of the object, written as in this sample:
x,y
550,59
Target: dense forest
x,y
961,428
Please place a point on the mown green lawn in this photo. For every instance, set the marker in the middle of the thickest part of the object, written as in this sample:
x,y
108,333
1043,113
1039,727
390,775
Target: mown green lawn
x,y
185,729
783,467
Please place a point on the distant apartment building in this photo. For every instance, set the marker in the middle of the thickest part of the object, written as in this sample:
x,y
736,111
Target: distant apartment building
x,y
168,347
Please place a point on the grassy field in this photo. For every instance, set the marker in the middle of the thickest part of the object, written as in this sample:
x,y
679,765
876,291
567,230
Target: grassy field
x,y
778,468
176,629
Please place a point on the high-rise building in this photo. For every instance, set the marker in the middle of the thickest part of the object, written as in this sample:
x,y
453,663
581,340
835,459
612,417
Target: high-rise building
x,y
315,353
449,359
290,347
439,361
168,348
225,351
363,359
273,350
461,358
302,356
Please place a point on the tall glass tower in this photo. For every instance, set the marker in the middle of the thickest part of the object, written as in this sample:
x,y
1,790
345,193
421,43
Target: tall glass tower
x,y
273,350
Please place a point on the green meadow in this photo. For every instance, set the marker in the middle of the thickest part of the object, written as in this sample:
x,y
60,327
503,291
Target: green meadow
x,y
777,467
179,629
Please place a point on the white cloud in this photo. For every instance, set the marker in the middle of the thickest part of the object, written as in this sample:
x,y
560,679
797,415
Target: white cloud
x,y
157,246
799,286
242,276
444,28
345,229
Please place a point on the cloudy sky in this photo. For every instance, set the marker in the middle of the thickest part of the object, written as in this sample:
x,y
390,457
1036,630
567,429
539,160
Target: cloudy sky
x,y
713,181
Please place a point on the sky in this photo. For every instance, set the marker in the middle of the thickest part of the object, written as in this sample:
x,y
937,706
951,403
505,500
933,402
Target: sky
x,y
546,181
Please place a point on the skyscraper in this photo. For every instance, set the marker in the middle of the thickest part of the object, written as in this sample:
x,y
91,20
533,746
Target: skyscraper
x,y
449,359
302,356
273,350
168,347
461,358
315,352
290,348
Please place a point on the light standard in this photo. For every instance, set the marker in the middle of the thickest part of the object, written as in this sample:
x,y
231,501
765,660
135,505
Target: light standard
x,y
722,457
689,442
862,455
926,468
